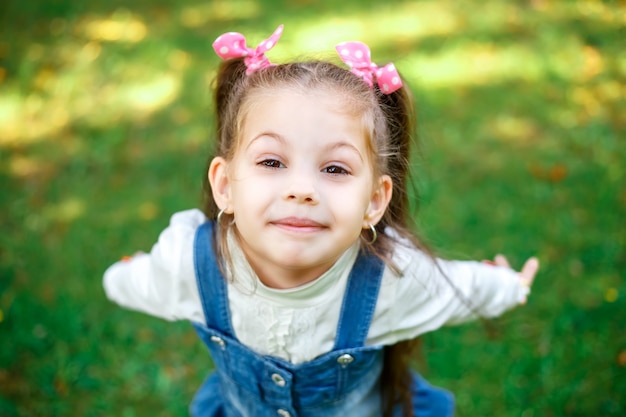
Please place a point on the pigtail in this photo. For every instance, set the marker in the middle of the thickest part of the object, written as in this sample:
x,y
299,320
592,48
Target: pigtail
x,y
230,78
398,110
399,114
227,89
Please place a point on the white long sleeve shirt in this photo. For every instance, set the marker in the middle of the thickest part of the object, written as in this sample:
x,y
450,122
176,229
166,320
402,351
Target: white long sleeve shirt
x,y
299,324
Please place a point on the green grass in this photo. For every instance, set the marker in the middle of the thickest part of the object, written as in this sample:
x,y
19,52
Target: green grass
x,y
104,132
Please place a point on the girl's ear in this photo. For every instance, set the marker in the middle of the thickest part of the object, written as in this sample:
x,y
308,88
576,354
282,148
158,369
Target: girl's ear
x,y
220,183
379,201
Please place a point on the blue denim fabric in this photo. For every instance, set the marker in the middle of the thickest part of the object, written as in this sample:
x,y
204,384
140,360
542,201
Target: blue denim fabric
x,y
344,382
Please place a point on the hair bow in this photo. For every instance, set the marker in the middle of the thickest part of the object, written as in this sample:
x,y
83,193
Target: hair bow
x,y
357,56
233,45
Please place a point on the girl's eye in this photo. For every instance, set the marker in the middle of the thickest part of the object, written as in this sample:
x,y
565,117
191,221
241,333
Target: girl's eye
x,y
272,163
335,170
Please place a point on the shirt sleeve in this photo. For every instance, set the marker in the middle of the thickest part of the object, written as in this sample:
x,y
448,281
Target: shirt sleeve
x,y
161,283
431,293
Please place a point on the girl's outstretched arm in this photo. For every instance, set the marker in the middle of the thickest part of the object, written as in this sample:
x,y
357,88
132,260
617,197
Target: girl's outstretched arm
x,y
431,292
161,283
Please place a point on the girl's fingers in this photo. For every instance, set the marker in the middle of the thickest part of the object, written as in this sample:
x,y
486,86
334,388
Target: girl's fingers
x,y
500,260
529,270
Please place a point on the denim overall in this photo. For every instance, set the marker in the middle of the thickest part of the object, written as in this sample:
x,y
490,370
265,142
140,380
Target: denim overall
x,y
343,382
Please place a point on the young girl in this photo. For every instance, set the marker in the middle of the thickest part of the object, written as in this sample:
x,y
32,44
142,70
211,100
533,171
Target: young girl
x,y
301,275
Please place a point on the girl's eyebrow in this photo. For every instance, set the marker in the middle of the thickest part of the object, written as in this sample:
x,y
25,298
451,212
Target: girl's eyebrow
x,y
340,144
347,145
271,135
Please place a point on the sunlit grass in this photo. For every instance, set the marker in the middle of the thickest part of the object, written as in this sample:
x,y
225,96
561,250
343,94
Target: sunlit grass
x,y
121,27
199,15
396,25
132,88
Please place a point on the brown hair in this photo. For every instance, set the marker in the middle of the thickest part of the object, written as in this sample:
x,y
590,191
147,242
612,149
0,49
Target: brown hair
x,y
389,123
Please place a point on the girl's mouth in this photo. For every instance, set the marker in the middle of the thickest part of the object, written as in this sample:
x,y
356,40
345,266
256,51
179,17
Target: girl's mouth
x,y
298,224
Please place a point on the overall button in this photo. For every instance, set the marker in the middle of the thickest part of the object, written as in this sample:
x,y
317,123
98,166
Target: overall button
x,y
283,413
345,359
278,380
218,341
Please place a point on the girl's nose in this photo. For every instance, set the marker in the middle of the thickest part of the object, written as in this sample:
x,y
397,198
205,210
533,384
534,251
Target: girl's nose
x,y
302,191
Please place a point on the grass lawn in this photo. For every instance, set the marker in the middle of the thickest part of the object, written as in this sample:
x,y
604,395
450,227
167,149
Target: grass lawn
x,y
105,128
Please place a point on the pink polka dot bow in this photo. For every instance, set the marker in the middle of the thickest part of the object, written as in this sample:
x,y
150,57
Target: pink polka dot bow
x,y
233,45
357,56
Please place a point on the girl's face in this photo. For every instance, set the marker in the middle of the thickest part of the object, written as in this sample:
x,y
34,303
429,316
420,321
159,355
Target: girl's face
x,y
301,185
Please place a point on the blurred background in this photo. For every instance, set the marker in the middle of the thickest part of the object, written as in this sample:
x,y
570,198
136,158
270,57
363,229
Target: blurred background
x,y
106,126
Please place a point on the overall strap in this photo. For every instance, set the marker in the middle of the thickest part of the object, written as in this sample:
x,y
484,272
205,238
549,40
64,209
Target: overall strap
x,y
359,301
211,283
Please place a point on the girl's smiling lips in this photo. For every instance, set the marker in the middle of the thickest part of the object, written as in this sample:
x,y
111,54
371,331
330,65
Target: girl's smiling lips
x,y
298,224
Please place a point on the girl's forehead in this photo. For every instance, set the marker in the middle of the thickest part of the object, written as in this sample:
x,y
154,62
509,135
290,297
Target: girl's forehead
x,y
290,108
339,102
298,92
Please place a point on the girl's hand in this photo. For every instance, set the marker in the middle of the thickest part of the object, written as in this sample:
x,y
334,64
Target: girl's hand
x,y
528,272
